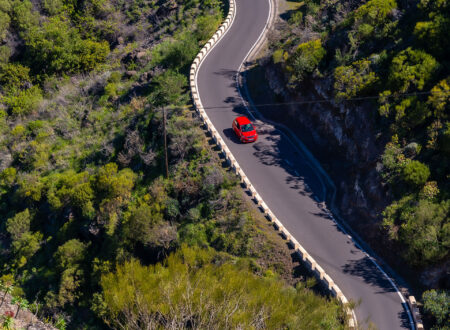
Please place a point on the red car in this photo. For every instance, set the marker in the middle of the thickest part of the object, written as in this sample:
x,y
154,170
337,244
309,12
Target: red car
x,y
244,129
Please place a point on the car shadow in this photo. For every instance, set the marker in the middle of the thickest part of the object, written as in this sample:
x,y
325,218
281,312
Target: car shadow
x,y
231,135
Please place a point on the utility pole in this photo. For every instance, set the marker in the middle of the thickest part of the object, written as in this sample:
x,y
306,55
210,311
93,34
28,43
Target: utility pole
x,y
165,143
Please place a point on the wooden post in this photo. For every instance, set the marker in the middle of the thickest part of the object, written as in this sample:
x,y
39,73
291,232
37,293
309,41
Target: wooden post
x,y
165,143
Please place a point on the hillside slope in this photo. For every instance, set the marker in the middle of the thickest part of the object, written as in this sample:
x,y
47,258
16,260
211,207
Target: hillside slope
x,y
84,191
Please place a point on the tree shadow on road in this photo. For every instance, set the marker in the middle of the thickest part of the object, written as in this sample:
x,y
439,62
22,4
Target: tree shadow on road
x,y
365,269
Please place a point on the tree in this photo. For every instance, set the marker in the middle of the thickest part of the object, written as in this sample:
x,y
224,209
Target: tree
x,y
412,68
416,173
352,80
111,183
24,101
432,34
8,177
4,24
139,223
14,76
189,290
25,247
18,225
169,89
437,303
305,59
374,12
70,254
7,288
439,99
55,47
22,304
422,226
69,258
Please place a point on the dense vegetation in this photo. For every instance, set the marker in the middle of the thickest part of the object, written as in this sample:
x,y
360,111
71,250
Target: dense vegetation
x,y
84,202
209,290
395,54
398,51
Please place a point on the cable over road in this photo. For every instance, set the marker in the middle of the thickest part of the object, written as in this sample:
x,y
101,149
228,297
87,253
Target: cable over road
x,y
288,181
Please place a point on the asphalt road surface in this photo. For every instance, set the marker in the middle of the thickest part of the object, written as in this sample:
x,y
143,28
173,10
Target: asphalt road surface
x,y
287,182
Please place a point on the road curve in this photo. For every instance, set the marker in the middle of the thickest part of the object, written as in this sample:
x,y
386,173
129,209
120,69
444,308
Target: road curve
x,y
287,181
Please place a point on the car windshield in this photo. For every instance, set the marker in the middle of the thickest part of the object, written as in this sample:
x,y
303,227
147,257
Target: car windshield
x,y
247,128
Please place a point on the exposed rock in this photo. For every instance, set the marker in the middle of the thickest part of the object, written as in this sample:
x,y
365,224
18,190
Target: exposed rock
x,y
25,319
130,73
411,149
344,139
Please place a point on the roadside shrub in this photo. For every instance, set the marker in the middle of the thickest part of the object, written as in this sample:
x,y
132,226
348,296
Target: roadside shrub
x,y
206,26
175,293
421,226
437,303
177,53
277,56
305,59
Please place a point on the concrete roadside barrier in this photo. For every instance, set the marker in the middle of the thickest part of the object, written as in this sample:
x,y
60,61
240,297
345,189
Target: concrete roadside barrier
x,y
416,312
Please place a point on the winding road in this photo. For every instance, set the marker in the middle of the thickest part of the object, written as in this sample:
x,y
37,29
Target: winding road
x,y
287,181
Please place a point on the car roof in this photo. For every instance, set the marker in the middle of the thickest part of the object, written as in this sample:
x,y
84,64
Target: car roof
x,y
243,120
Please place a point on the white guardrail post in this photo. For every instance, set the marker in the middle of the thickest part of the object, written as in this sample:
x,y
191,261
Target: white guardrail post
x,y
307,259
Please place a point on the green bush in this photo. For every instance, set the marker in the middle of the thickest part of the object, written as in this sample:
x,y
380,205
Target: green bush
x,y
305,59
421,226
56,47
350,81
175,293
53,7
70,254
412,68
169,89
4,24
23,16
277,56
437,303
206,26
176,54
14,77
24,102
18,225
416,173
374,12
5,54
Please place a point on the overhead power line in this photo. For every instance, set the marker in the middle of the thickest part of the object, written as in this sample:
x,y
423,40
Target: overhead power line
x,y
362,98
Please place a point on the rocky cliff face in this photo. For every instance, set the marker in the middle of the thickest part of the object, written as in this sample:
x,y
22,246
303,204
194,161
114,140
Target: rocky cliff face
x,y
343,138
